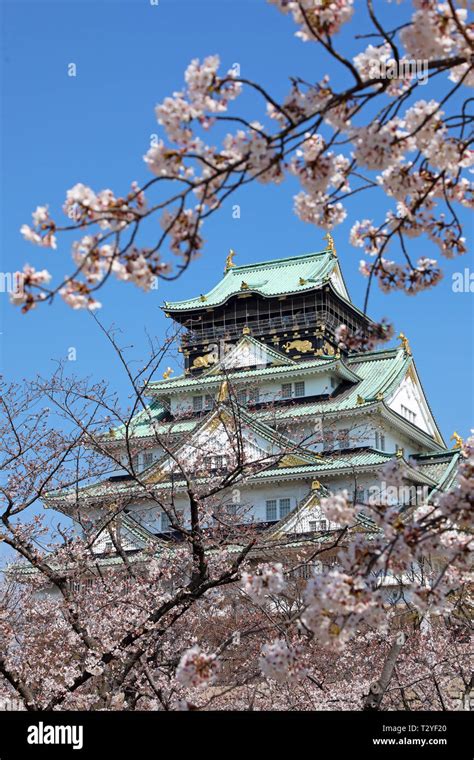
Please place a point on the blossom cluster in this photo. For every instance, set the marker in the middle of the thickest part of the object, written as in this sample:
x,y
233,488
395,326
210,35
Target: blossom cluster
x,y
281,661
266,580
196,668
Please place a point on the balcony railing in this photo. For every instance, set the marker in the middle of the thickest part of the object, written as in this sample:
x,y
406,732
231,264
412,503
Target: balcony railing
x,y
257,326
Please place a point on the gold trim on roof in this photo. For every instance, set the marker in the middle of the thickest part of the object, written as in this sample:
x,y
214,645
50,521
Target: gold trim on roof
x,y
229,262
405,343
458,441
330,246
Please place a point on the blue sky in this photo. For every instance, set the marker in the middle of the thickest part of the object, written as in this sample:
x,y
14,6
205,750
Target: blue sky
x,y
95,128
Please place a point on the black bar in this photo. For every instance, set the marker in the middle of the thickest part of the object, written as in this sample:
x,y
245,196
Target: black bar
x,y
136,734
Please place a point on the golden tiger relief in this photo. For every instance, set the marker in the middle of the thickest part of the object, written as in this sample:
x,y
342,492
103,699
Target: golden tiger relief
x,y
299,345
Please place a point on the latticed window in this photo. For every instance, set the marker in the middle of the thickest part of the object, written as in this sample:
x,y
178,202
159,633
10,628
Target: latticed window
x,y
328,440
306,570
209,401
147,458
286,390
254,395
408,414
299,389
343,437
285,506
271,507
197,403
215,462
241,397
318,525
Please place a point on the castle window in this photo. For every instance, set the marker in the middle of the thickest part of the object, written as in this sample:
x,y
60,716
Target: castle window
x,y
241,397
285,506
208,401
271,510
343,438
254,395
197,403
317,525
379,441
408,414
147,458
215,463
299,389
288,390
328,440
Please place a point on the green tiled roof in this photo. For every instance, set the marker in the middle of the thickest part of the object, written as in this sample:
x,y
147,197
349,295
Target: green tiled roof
x,y
267,278
440,467
358,458
139,425
309,366
331,462
151,421
379,372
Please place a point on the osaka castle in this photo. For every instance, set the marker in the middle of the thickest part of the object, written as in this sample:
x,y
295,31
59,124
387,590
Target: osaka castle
x,y
268,415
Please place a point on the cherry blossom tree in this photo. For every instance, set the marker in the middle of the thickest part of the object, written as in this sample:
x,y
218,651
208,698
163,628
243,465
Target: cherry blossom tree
x,y
223,616
374,134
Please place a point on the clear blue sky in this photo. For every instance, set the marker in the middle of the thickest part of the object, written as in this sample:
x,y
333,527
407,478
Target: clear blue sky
x,y
95,129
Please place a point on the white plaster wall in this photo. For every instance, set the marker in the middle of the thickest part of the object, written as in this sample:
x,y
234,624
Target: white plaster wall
x,y
409,396
268,391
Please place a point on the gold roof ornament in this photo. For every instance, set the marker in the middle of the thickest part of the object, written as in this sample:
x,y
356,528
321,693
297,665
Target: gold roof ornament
x,y
315,485
244,285
405,343
379,396
246,330
202,298
330,246
458,441
223,392
360,400
111,433
167,373
302,281
229,262
399,453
